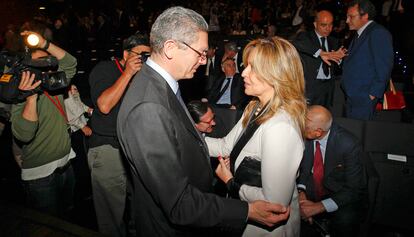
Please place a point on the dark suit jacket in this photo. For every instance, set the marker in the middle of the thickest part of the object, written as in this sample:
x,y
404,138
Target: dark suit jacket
x,y
237,96
307,43
367,68
343,172
171,175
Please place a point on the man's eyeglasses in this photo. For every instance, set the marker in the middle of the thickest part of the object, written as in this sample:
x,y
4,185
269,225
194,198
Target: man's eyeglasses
x,y
202,55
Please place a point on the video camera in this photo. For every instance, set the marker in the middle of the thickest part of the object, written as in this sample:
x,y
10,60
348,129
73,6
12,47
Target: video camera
x,y
43,68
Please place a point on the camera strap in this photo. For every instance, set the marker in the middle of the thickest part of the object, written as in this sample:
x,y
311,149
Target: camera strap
x,y
119,65
57,104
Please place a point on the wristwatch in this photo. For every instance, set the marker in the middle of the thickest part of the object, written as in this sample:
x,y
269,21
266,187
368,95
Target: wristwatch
x,y
46,45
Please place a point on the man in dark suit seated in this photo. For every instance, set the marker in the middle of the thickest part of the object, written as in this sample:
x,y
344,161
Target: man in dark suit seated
x,y
331,184
228,91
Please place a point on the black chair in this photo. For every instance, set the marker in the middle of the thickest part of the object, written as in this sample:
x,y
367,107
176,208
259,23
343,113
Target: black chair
x,y
390,147
354,126
357,128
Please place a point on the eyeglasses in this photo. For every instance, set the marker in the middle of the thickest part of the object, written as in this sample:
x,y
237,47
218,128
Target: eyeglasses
x,y
202,55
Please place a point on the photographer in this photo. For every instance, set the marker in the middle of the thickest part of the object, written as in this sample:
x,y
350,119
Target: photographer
x,y
108,81
40,124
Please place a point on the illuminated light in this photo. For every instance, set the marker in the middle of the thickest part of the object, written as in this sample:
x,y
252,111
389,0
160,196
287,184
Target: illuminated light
x,y
42,8
33,40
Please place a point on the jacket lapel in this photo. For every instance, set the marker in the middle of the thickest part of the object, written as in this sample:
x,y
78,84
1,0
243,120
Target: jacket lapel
x,y
361,39
329,153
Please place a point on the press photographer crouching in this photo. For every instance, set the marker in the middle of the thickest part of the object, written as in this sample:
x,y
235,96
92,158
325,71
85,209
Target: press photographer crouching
x,y
39,123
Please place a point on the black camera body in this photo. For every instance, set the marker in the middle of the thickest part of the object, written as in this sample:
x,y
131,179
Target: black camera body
x,y
10,79
144,56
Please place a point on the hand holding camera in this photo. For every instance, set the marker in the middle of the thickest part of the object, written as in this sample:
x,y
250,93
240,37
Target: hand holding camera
x,y
26,83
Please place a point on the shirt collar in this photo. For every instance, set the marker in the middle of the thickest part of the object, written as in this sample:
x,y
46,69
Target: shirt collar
x,y
360,30
323,141
167,77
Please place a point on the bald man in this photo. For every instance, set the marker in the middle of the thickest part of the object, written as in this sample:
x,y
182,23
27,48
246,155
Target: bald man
x,y
320,54
331,184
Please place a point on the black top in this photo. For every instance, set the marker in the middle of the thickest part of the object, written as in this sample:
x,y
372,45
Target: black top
x,y
102,76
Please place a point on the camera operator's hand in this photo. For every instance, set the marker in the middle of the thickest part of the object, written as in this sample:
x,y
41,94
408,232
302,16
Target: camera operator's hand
x,y
26,83
133,64
42,41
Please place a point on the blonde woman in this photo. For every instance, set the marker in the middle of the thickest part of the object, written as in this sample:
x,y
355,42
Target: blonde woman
x,y
274,77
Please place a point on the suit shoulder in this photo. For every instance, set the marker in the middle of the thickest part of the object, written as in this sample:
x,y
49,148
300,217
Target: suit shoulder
x,y
343,135
379,30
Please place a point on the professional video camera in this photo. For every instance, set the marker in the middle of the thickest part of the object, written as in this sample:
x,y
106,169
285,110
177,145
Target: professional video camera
x,y
43,68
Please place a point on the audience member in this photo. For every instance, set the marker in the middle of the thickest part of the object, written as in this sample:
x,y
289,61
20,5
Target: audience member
x,y
171,175
231,51
269,132
108,81
331,183
368,66
75,111
228,91
318,50
40,124
202,115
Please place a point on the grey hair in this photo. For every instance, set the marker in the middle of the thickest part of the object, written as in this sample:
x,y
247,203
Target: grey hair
x,y
176,23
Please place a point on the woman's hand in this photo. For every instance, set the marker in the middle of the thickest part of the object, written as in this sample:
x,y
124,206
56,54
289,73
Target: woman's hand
x,y
223,169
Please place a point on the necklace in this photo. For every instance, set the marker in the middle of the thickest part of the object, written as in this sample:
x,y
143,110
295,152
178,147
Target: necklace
x,y
257,112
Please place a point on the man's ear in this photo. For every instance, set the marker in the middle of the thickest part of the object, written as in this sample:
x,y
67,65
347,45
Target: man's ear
x,y
169,48
319,132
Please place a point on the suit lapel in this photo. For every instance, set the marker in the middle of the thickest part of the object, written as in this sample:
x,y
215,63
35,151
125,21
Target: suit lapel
x,y
315,39
309,153
329,153
361,39
174,104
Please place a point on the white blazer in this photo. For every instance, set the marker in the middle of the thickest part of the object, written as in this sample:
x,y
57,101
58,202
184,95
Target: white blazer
x,y
278,144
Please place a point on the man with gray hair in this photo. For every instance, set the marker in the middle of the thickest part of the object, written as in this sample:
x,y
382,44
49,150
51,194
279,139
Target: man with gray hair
x,y
331,185
169,162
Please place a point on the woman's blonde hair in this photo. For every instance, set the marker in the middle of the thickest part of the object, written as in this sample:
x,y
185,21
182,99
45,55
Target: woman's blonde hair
x,y
277,62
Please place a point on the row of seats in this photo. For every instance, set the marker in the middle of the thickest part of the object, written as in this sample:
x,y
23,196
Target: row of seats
x,y
389,161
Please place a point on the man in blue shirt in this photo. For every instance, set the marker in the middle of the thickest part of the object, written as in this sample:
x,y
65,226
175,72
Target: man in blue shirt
x,y
331,184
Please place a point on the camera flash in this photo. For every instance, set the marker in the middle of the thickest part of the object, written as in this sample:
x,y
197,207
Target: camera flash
x,y
32,40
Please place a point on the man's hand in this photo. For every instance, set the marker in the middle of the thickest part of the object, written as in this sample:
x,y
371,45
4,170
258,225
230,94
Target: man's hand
x,y
335,56
133,64
87,131
26,84
309,209
302,197
267,213
372,97
223,169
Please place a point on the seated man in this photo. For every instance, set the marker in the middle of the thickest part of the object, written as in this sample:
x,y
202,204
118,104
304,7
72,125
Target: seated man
x,y
228,91
331,183
203,116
